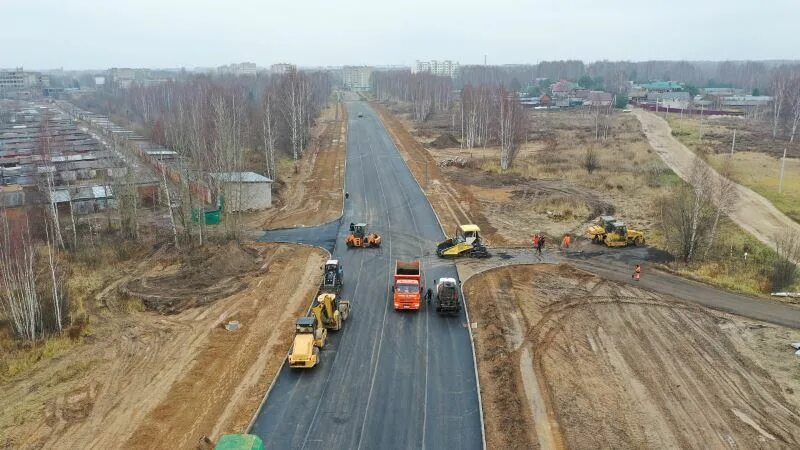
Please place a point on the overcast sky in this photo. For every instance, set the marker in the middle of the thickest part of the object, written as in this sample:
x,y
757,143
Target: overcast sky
x,y
81,34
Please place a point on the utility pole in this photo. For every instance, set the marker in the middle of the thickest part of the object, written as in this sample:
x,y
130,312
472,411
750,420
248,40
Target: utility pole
x,y
783,165
733,144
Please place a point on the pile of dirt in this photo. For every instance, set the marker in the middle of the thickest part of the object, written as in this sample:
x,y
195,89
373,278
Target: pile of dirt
x,y
213,273
445,140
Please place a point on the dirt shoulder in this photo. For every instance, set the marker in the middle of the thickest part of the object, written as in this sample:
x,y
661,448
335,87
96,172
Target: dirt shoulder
x,y
146,380
310,192
753,212
591,363
452,202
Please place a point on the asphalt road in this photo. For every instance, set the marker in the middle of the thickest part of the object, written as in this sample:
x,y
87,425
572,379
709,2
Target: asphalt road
x,y
388,379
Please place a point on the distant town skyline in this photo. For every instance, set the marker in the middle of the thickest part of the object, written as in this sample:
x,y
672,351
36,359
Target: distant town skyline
x,y
85,34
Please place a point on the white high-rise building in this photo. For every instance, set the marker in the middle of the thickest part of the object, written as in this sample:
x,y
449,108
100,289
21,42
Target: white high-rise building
x,y
445,68
282,69
356,78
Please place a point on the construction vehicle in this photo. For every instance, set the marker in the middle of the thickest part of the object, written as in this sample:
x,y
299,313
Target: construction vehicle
x,y
601,228
447,299
330,311
333,277
359,237
239,442
466,242
309,337
621,236
408,285
614,233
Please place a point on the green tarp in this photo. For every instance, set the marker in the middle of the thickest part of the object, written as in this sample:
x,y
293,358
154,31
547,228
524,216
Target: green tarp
x,y
239,442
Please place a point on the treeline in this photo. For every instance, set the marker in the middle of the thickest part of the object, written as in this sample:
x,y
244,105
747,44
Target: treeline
x,y
427,93
267,113
611,75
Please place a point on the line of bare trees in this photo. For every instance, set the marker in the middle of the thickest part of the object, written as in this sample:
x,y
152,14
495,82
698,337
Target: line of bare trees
x,y
492,115
225,125
427,93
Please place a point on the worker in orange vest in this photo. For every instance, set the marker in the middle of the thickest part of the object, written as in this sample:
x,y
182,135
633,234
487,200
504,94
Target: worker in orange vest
x,y
637,271
566,241
535,239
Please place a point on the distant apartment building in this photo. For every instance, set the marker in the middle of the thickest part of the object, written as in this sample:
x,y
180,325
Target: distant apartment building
x,y
240,69
124,77
19,83
282,69
445,68
356,78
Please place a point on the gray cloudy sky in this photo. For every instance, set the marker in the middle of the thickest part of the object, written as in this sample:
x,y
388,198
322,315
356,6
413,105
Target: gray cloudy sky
x,y
78,34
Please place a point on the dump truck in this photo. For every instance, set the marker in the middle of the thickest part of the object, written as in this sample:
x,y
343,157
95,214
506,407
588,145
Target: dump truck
x,y
466,242
407,288
447,298
309,337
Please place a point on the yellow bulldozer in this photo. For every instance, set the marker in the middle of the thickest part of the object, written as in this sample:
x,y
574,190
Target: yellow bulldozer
x,y
358,237
614,233
466,242
331,311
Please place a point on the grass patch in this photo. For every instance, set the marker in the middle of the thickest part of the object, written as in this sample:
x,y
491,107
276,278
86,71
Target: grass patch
x,y
761,173
19,360
726,265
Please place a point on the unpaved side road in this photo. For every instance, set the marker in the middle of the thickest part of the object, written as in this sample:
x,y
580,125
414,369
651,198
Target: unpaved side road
x,y
753,212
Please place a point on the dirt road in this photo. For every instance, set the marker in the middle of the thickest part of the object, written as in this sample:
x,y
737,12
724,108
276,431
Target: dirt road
x,y
311,193
145,380
568,359
753,212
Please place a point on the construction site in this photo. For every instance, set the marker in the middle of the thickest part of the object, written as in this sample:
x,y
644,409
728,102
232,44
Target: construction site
x,y
570,360
285,253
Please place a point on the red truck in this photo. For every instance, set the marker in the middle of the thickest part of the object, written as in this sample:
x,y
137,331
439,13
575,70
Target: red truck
x,y
407,285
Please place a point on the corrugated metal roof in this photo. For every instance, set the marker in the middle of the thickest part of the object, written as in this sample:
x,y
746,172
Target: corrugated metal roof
x,y
241,177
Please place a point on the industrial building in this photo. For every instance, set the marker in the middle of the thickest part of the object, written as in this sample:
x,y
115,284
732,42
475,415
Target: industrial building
x,y
17,83
246,69
244,191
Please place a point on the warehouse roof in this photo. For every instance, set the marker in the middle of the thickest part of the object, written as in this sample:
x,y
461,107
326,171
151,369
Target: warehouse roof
x,y
241,177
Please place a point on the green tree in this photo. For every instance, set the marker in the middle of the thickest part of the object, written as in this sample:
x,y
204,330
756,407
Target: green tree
x,y
533,91
691,89
621,101
756,92
586,82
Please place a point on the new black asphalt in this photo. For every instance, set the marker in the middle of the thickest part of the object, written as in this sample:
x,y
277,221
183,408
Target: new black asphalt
x,y
388,379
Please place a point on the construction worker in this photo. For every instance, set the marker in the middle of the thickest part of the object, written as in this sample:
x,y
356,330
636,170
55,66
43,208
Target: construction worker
x,y
535,239
428,295
540,244
346,195
637,272
566,240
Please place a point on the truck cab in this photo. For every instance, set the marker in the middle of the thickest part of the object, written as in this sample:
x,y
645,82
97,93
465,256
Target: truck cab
x,y
407,289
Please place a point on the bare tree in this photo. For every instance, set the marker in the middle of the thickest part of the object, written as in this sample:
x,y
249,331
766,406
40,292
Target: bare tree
x,y
778,85
512,127
784,267
19,297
